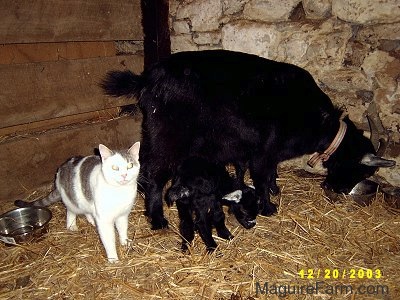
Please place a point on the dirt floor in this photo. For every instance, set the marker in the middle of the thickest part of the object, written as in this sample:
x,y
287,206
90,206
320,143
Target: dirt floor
x,y
311,249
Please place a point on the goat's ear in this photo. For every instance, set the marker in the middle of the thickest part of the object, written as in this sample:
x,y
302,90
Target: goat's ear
x,y
235,196
372,160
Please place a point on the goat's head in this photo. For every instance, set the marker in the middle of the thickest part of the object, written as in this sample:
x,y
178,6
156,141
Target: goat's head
x,y
353,161
243,204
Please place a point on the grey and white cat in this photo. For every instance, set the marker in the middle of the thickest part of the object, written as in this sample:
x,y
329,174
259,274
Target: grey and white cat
x,y
101,188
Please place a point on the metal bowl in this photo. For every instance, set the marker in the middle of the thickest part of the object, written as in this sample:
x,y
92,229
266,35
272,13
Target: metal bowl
x,y
392,196
363,193
24,225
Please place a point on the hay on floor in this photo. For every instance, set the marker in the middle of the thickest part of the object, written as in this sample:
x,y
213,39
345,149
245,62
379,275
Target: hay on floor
x,y
308,233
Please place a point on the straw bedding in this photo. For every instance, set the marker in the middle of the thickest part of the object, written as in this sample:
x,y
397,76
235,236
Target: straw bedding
x,y
309,232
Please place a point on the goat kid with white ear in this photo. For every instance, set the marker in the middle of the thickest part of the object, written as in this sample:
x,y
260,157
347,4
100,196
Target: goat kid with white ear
x,y
200,188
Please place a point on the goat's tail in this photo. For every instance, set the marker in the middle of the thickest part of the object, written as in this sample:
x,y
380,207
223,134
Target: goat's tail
x,y
53,197
122,83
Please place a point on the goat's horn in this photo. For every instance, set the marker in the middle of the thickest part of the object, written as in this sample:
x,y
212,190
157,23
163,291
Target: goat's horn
x,y
382,146
374,133
379,136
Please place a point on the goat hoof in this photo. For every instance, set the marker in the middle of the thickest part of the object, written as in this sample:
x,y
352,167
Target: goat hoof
x,y
160,224
248,223
225,235
211,249
184,247
214,251
274,190
269,210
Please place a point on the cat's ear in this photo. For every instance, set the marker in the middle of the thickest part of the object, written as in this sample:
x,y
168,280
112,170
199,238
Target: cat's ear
x,y
104,152
134,150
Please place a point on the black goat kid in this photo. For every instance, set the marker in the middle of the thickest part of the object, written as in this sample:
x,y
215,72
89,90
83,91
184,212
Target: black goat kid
x,y
234,107
199,189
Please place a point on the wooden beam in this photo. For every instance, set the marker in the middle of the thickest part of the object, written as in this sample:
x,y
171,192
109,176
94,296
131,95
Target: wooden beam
x,y
42,91
27,21
41,52
29,128
157,44
28,162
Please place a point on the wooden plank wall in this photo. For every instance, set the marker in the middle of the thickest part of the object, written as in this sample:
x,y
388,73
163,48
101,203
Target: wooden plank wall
x,y
26,21
53,54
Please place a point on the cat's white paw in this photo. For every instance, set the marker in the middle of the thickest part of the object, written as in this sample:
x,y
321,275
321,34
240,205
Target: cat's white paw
x,y
126,242
113,260
91,220
73,227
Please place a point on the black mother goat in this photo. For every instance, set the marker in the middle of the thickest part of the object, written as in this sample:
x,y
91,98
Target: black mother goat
x,y
200,188
229,107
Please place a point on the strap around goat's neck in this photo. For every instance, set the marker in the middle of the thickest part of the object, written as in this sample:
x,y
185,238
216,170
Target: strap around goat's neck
x,y
332,147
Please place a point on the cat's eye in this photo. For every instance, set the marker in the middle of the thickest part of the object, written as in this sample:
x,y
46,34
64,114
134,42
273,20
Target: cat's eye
x,y
115,168
130,165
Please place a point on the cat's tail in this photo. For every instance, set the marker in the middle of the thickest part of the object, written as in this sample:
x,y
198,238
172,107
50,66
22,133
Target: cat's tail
x,y
53,197
122,83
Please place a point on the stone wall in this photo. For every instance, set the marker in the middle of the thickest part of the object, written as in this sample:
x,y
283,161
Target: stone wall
x,y
351,47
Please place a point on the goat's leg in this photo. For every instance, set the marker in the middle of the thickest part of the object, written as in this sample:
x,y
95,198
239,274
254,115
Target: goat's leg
x,y
273,187
219,222
203,223
186,225
240,170
154,207
153,185
263,174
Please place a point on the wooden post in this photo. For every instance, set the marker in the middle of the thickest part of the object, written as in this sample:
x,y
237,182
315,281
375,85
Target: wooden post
x,y
157,43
